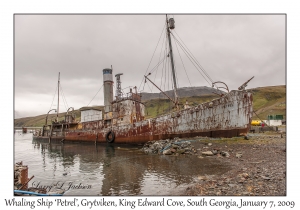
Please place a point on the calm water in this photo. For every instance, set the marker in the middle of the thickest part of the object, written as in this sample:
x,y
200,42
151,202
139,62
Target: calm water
x,y
110,169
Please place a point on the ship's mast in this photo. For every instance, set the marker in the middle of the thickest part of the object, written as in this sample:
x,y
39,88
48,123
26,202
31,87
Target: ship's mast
x,y
57,97
172,61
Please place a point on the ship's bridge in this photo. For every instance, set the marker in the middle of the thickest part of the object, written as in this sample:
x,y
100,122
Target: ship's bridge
x,y
129,109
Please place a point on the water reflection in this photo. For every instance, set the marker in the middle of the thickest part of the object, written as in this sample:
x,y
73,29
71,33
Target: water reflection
x,y
116,169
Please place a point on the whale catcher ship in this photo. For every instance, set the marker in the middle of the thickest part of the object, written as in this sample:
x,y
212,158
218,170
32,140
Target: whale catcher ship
x,y
122,120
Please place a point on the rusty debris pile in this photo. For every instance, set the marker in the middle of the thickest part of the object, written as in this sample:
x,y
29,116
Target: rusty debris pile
x,y
21,176
21,181
169,147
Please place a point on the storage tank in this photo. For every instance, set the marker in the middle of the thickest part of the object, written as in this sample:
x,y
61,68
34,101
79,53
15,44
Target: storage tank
x,y
108,89
256,122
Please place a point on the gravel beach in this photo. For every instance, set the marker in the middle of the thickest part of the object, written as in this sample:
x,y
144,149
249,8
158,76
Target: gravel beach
x,y
256,163
257,166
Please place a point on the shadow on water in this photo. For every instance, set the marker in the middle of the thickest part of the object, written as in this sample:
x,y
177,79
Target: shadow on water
x,y
118,169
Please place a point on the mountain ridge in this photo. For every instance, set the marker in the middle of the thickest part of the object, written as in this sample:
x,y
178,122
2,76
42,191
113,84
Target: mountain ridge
x,y
269,100
182,92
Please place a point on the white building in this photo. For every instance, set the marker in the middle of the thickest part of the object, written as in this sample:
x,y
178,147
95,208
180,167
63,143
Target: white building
x,y
91,114
273,122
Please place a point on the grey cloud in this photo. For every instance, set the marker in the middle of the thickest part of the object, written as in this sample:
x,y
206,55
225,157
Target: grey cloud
x,y
231,48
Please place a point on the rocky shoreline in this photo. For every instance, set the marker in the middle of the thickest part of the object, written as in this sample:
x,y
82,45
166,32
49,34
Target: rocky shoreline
x,y
257,163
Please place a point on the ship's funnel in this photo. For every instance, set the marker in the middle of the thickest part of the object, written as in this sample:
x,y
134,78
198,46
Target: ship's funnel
x,y
108,89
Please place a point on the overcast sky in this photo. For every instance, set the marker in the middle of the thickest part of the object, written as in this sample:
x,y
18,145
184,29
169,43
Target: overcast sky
x,y
231,48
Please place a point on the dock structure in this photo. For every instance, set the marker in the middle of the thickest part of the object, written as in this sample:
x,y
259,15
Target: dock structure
x,y
28,129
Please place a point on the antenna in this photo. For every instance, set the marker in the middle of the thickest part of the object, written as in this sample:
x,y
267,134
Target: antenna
x,y
118,89
58,97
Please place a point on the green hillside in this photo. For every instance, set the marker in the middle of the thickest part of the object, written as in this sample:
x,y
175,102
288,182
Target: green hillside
x,y
39,121
269,101
266,101
156,107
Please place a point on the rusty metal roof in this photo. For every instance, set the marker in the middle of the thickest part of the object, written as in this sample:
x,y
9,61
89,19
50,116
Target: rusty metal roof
x,y
99,108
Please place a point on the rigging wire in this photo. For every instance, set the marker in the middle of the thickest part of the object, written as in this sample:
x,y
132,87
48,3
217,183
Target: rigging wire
x,y
184,50
158,106
168,66
161,81
169,73
53,98
159,63
95,95
144,85
191,55
172,82
185,69
162,75
165,77
188,53
176,78
64,98
162,47
153,54
163,67
149,86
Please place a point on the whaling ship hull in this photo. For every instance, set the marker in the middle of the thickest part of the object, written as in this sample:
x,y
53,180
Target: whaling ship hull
x,y
227,116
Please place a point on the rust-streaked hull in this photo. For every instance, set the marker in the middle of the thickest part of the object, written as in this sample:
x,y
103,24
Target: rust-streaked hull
x,y
228,116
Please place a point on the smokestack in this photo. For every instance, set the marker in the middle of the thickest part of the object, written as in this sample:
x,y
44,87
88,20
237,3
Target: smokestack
x,y
108,89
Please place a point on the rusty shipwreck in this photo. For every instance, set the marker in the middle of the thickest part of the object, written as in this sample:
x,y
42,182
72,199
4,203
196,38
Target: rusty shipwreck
x,y
122,120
